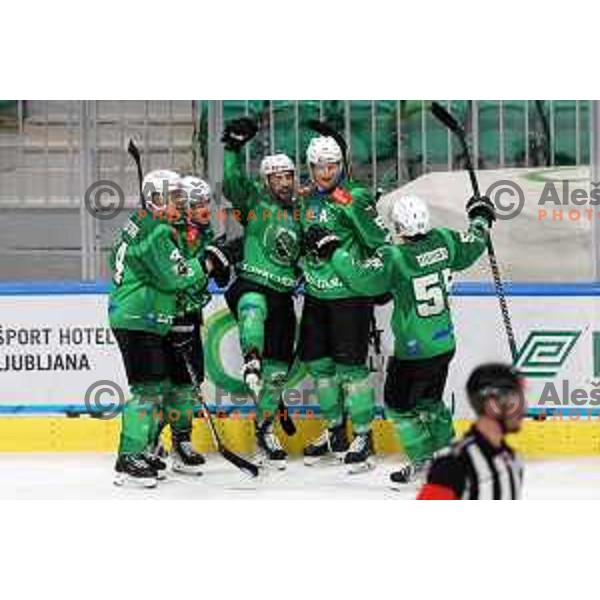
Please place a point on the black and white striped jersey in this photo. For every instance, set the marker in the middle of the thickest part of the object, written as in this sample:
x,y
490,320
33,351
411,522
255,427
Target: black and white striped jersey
x,y
473,469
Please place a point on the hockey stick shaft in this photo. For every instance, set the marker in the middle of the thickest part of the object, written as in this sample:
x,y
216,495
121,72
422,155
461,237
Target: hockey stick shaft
x,y
236,460
134,152
449,121
287,424
499,287
440,113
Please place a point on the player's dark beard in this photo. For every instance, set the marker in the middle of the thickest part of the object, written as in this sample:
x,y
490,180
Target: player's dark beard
x,y
285,197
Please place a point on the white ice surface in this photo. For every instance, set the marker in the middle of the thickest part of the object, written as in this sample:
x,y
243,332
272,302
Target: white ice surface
x,y
89,476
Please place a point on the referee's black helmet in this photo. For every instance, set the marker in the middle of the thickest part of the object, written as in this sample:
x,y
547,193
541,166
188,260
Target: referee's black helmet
x,y
497,381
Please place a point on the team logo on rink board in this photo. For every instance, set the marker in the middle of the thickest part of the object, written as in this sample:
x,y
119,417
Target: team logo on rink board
x,y
217,327
544,352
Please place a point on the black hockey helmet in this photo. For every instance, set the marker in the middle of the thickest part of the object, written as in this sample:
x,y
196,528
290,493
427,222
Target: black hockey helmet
x,y
498,381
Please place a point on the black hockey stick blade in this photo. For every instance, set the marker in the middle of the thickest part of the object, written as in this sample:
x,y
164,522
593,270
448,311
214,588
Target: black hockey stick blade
x,y
325,129
240,462
452,124
236,460
134,152
440,113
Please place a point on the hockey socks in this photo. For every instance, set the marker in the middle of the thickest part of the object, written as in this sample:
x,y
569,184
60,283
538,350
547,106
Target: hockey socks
x,y
359,396
252,314
137,428
412,432
328,392
274,376
438,420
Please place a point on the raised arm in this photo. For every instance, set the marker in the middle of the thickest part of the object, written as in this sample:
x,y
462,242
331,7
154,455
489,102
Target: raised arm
x,y
240,190
371,277
367,223
466,246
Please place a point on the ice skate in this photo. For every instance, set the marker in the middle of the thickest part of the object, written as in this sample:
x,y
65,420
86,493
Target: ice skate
x,y
184,459
358,457
331,444
132,469
270,450
409,473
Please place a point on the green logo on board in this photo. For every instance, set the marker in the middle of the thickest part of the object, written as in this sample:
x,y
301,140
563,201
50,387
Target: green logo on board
x,y
544,352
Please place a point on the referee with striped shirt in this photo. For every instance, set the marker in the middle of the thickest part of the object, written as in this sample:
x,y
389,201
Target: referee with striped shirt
x,y
482,466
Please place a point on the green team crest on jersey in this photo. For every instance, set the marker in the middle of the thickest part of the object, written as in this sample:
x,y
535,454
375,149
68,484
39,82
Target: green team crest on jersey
x,y
282,244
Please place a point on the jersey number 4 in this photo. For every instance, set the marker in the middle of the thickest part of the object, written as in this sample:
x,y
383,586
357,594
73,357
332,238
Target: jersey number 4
x,y
431,292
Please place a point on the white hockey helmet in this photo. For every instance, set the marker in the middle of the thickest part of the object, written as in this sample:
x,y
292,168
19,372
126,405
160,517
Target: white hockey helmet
x,y
323,150
198,191
276,163
409,216
161,181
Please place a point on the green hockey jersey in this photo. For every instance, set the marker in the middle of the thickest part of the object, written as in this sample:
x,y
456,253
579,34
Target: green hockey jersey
x,y
149,270
271,232
349,212
418,274
192,240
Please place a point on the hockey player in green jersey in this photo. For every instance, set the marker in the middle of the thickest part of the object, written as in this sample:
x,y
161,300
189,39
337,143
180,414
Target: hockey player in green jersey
x,y
334,332
188,215
150,276
417,270
261,298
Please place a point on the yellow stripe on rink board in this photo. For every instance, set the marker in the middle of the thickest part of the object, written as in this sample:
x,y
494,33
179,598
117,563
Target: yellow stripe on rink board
x,y
57,434
63,434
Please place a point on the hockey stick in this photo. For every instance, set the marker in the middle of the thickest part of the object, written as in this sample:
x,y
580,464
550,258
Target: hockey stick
x,y
539,107
287,424
135,154
452,124
236,460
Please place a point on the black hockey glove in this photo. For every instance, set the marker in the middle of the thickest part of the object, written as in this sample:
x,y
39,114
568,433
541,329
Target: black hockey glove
x,y
483,208
220,265
321,242
234,249
239,132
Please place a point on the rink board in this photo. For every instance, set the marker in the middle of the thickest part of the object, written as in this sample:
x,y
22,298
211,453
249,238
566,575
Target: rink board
x,y
56,345
553,437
